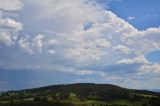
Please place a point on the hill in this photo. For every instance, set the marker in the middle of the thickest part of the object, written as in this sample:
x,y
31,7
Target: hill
x,y
80,94
155,90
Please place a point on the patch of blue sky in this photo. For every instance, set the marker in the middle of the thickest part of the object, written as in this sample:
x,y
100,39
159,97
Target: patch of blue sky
x,y
87,25
154,56
146,13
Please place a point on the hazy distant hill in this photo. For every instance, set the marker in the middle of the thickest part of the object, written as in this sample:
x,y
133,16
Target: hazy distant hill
x,y
80,94
155,90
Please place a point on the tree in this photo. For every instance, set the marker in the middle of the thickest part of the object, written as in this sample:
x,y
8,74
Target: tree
x,y
36,99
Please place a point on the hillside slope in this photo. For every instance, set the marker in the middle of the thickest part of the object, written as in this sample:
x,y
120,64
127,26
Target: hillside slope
x,y
85,94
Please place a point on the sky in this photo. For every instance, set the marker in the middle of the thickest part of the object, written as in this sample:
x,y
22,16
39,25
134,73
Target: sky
x,y
79,41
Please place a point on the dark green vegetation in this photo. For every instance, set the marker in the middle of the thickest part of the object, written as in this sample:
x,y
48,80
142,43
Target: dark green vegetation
x,y
80,95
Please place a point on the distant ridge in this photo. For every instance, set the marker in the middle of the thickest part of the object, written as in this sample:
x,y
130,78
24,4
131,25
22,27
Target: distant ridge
x,y
154,90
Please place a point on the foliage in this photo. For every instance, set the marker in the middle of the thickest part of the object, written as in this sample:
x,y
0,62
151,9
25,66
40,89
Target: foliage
x,y
80,95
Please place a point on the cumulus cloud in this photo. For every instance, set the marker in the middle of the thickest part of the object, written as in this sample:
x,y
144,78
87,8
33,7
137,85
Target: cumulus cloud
x,y
109,36
53,12
102,43
10,5
122,49
145,41
5,38
136,60
83,56
9,29
35,46
107,40
25,45
37,42
10,24
149,68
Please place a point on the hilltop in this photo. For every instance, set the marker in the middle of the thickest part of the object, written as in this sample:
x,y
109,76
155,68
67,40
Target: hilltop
x,y
80,94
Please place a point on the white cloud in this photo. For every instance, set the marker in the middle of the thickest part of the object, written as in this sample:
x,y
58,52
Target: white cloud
x,y
152,34
53,42
109,33
9,29
35,46
111,40
51,51
37,42
10,5
77,71
122,49
83,56
149,68
5,38
69,16
130,18
137,60
10,24
102,43
113,78
144,41
25,45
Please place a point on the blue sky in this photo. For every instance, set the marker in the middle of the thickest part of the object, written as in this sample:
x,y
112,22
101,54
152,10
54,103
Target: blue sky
x,y
145,12
71,41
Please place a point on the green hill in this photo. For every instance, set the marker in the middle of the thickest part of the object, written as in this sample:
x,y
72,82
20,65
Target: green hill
x,y
80,94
